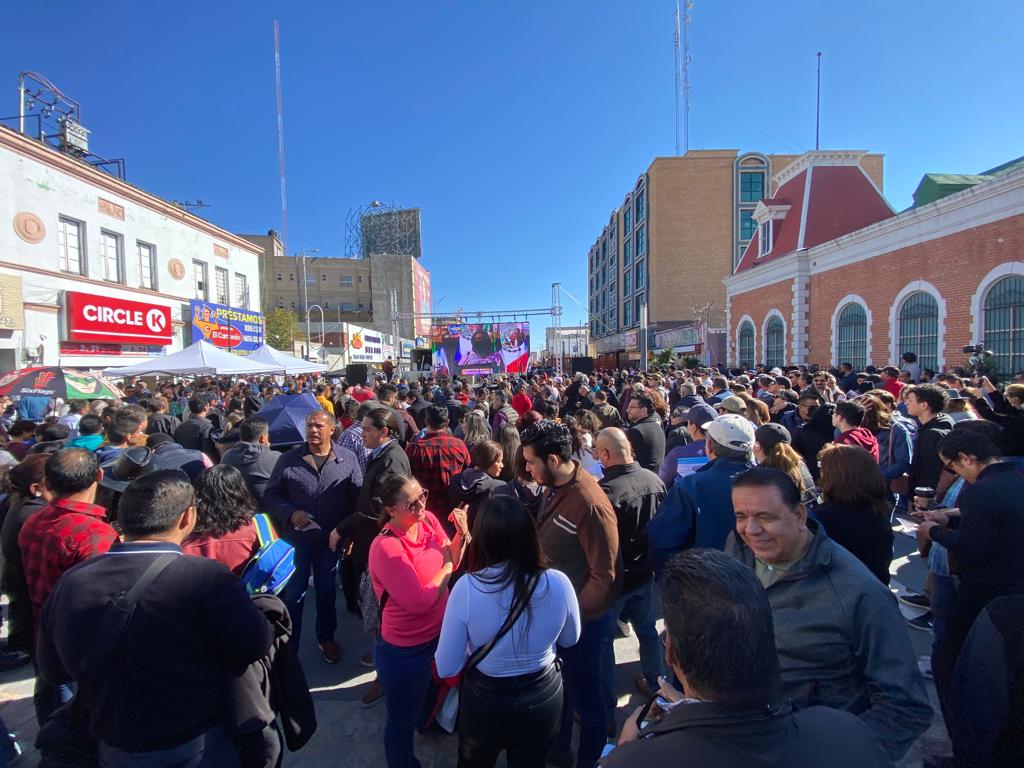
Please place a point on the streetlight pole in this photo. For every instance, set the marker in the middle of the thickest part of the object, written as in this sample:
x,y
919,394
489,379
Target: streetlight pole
x,y
305,289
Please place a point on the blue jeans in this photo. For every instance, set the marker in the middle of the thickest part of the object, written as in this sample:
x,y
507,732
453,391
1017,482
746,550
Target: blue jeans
x,y
581,675
323,563
48,698
638,605
214,749
404,674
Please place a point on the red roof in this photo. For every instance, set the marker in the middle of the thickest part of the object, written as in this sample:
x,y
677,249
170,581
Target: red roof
x,y
840,199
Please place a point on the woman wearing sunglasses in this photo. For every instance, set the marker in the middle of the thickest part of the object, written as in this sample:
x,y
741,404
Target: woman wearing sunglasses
x,y
411,563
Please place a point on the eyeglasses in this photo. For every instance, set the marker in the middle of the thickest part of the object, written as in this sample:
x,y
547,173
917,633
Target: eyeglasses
x,y
948,466
414,503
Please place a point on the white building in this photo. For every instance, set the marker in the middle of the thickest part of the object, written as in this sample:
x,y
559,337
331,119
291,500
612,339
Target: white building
x,y
95,272
567,341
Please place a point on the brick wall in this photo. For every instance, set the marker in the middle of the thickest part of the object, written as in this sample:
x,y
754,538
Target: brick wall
x,y
758,304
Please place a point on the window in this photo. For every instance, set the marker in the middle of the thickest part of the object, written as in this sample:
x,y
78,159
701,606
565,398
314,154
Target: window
x,y
641,241
627,313
627,283
852,332
291,277
311,278
110,257
627,219
221,285
1004,324
147,265
919,329
199,273
751,187
360,278
641,275
242,290
746,350
279,277
766,237
280,303
69,242
345,281
748,227
775,343
638,304
293,306
627,253
323,278
639,207
347,306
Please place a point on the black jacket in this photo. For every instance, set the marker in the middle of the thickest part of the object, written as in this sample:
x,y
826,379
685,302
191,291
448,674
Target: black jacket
x,y
1009,418
676,437
704,735
635,494
418,406
864,534
814,435
256,462
474,487
926,466
173,456
20,608
362,525
648,441
196,433
162,422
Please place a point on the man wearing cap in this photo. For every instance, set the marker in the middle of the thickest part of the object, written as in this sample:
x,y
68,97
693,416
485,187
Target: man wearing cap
x,y
697,511
731,405
169,455
697,419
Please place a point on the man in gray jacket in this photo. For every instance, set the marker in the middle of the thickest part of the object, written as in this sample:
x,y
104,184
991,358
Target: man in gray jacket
x,y
252,456
841,639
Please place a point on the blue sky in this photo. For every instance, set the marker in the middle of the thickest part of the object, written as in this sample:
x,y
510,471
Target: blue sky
x,y
516,127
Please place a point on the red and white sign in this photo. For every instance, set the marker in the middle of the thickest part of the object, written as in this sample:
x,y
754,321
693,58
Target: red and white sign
x,y
116,321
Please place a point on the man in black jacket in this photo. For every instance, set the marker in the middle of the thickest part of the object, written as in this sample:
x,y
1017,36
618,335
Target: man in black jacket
x,y
158,696
720,644
196,433
646,434
252,456
634,493
926,403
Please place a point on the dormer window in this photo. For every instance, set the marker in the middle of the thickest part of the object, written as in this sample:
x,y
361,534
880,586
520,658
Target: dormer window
x,y
766,237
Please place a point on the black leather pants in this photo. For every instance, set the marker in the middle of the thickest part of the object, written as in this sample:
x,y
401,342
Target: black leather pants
x,y
519,714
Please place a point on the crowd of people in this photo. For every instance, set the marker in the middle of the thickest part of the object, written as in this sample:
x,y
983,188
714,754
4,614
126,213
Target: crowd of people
x,y
495,537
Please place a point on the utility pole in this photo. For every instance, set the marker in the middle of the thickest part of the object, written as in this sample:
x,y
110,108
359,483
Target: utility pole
x,y
817,110
280,135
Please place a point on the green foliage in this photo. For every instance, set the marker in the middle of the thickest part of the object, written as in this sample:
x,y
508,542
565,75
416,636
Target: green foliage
x,y
282,328
692,362
663,358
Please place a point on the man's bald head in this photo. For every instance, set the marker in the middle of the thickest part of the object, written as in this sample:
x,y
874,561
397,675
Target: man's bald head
x,y
612,447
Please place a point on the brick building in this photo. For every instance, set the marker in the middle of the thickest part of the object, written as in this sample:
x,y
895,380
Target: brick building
x,y
835,276
682,227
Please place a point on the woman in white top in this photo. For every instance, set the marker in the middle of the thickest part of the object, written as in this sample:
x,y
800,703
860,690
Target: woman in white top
x,y
512,699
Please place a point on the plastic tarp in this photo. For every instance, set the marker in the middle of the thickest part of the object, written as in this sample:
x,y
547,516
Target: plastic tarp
x,y
199,359
286,415
288,363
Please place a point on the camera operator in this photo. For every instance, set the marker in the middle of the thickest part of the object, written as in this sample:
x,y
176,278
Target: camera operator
x,y
1004,408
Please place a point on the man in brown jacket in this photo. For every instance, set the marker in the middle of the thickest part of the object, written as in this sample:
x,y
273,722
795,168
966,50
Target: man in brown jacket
x,y
579,536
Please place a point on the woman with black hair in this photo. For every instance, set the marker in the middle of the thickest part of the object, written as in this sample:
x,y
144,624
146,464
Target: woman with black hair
x,y
224,509
500,627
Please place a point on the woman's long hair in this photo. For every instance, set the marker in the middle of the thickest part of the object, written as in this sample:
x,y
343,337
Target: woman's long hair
x,y
505,532
509,440
850,477
223,502
474,428
783,456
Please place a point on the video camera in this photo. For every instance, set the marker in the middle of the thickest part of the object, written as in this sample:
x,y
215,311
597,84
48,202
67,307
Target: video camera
x,y
976,362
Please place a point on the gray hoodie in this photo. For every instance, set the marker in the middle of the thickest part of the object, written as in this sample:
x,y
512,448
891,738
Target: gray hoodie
x,y
843,643
255,461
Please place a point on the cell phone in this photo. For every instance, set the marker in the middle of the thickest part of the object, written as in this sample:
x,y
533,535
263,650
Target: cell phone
x,y
663,704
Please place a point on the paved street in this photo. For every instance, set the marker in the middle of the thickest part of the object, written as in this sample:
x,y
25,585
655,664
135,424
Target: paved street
x,y
351,736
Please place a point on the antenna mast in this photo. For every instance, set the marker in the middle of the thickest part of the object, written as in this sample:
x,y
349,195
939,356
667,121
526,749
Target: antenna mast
x,y
280,138
679,70
687,5
817,110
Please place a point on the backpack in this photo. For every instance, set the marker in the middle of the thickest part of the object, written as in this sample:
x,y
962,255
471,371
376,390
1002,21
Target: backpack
x,y
272,565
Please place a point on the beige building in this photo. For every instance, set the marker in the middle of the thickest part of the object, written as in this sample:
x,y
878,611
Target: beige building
x,y
680,230
361,291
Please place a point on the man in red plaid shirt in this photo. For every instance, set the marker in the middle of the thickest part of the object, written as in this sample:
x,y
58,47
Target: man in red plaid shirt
x,y
436,459
69,530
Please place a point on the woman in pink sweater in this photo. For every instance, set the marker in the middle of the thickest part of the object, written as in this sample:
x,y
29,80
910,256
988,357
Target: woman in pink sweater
x,y
411,563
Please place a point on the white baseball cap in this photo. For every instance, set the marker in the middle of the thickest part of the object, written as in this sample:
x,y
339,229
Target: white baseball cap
x,y
732,432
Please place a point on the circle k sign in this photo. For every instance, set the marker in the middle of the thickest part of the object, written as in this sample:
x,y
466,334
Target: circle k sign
x,y
105,319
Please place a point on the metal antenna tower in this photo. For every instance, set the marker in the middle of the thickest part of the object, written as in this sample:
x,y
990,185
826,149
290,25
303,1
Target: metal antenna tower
x,y
556,317
679,69
687,5
280,136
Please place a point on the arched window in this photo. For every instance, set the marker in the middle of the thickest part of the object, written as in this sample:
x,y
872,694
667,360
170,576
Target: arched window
x,y
746,344
919,329
1004,324
852,332
775,342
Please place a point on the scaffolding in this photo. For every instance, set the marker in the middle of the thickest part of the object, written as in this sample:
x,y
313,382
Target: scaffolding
x,y
382,228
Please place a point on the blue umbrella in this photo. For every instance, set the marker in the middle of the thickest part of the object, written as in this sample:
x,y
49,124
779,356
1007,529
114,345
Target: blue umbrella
x,y
286,415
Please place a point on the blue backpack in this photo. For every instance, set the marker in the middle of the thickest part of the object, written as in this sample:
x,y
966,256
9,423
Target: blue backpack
x,y
272,565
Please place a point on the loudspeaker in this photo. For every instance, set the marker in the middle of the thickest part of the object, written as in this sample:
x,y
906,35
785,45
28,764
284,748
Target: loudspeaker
x,y
583,365
356,373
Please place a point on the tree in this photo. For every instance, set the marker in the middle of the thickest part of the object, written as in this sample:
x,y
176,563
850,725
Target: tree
x,y
282,329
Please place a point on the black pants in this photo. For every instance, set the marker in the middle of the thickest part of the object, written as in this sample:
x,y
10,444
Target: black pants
x,y
519,714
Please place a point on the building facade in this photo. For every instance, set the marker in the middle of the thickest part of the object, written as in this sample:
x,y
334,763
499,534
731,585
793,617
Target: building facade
x,y
852,284
678,232
567,341
96,272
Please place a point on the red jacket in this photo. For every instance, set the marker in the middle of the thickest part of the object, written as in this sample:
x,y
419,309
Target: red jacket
x,y
233,550
522,403
863,437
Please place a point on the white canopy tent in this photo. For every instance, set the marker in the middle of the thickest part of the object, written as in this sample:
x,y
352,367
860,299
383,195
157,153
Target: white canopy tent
x,y
283,361
199,359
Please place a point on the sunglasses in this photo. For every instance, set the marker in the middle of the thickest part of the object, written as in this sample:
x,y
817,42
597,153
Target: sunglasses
x,y
414,503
